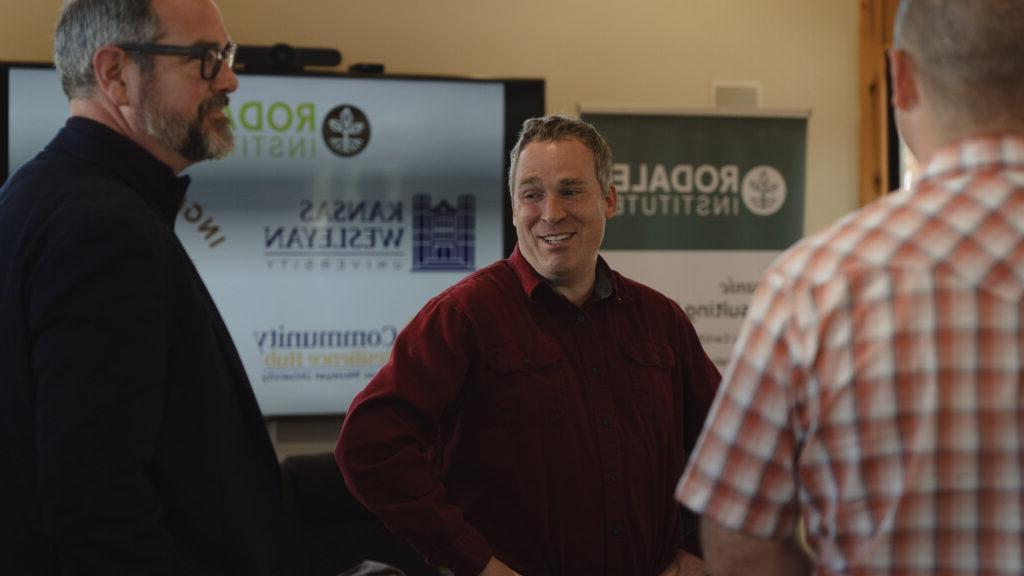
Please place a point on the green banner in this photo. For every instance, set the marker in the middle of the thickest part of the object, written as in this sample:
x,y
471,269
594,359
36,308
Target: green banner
x,y
705,182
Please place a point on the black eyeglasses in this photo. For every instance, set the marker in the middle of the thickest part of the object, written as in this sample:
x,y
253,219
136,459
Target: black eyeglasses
x,y
210,56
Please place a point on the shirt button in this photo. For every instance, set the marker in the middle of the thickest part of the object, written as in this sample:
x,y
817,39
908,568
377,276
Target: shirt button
x,y
581,318
595,369
526,361
606,421
610,477
616,530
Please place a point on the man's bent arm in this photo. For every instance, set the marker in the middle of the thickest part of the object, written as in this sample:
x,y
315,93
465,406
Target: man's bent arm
x,y
391,434
730,552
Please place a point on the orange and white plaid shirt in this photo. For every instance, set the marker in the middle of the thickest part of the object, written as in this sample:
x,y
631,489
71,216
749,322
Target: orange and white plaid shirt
x,y
876,387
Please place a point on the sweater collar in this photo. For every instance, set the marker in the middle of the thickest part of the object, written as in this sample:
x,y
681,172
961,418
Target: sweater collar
x,y
96,143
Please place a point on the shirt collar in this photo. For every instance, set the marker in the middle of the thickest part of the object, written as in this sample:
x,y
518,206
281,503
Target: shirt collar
x,y
976,153
604,284
140,170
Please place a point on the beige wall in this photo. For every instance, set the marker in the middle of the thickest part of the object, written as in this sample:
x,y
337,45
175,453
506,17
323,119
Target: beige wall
x,y
664,52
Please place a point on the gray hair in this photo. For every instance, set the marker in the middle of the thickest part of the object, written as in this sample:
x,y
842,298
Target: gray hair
x,y
970,53
552,128
87,25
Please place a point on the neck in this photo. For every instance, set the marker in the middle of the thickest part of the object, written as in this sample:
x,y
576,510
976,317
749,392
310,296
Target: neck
x,y
112,117
949,125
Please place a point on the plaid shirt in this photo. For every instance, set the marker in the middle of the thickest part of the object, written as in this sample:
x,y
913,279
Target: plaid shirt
x,y
876,388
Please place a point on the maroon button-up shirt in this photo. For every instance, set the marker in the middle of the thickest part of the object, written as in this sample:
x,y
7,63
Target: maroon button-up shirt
x,y
510,422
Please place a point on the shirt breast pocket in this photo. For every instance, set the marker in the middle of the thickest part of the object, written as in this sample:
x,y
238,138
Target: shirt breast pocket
x,y
650,366
527,384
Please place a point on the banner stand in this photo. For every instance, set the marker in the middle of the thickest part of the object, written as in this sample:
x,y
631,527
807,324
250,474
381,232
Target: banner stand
x,y
707,199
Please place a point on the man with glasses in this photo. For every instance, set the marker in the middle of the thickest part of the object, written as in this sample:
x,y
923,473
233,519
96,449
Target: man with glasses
x,y
131,438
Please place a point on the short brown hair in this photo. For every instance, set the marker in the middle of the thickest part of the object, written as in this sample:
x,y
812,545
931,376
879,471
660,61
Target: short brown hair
x,y
553,128
970,53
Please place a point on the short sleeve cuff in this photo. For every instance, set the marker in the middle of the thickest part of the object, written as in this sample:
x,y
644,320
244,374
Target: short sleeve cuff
x,y
729,508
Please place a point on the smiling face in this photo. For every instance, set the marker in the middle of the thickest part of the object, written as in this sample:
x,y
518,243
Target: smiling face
x,y
559,213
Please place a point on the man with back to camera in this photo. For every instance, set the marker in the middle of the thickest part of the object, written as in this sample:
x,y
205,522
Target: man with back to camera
x,y
876,387
535,417
134,441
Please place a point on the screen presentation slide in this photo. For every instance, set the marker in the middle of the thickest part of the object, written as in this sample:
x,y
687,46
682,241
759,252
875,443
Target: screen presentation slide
x,y
345,206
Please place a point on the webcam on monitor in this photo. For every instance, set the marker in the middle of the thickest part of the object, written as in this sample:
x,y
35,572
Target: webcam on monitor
x,y
285,58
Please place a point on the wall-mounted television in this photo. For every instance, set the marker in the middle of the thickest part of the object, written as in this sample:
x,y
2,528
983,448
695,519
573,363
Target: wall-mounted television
x,y
348,202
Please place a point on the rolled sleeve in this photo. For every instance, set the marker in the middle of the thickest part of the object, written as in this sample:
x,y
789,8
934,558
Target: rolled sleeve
x,y
742,473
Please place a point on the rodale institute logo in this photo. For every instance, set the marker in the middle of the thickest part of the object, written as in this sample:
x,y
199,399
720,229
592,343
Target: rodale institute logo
x,y
764,190
346,130
697,190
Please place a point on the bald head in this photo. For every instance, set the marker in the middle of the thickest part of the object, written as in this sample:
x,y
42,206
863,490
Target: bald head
x,y
969,57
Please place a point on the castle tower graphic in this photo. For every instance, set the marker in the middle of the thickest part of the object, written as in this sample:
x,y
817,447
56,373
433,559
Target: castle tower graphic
x,y
443,235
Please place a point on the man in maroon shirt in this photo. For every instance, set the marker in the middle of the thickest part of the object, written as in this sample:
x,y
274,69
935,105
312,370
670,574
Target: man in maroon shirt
x,y
534,418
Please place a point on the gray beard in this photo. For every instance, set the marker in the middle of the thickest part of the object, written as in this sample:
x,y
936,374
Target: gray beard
x,y
187,137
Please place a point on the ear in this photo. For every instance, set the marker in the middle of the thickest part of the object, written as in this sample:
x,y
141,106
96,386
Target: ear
x,y
903,75
110,65
611,201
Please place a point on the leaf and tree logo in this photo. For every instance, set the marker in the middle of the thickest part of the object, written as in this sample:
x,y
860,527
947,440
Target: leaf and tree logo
x,y
764,190
346,130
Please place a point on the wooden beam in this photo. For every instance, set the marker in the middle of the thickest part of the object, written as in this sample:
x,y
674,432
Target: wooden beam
x,y
876,17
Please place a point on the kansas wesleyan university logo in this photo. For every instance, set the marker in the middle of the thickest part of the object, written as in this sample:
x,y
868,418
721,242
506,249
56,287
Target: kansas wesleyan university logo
x,y
443,235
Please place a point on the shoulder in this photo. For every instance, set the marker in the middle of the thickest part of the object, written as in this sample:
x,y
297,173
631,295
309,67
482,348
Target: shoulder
x,y
660,317
497,280
861,243
64,205
480,302
86,187
59,181
863,257
642,295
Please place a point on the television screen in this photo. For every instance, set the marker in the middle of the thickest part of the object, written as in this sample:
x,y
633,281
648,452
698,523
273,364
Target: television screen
x,y
346,205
